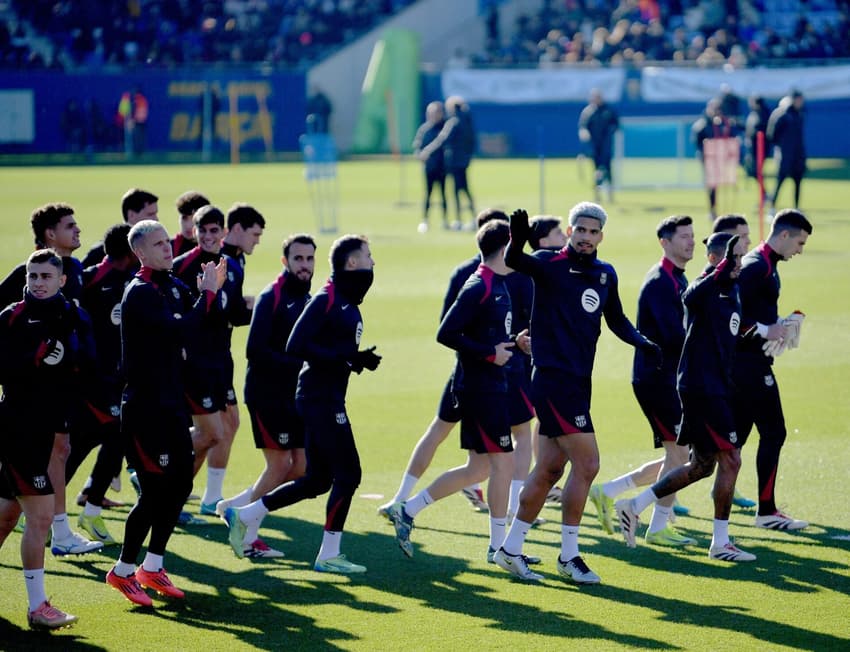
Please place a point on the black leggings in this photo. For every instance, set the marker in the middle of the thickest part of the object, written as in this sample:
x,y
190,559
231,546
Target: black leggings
x,y
333,464
162,457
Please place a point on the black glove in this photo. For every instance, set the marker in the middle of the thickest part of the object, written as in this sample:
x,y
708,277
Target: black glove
x,y
728,259
730,249
519,227
653,353
367,359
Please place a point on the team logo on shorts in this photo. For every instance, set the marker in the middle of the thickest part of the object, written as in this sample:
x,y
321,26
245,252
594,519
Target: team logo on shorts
x,y
115,410
590,300
163,460
358,332
177,315
223,299
341,418
175,292
55,354
115,315
206,402
581,421
283,438
734,323
231,395
733,437
505,441
768,380
39,482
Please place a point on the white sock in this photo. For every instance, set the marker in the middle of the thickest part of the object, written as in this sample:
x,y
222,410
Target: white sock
x,y
330,545
569,542
474,487
92,510
86,485
34,579
152,562
516,537
407,483
419,502
61,528
497,532
241,499
123,569
215,482
513,496
615,487
720,536
253,513
643,500
252,533
660,516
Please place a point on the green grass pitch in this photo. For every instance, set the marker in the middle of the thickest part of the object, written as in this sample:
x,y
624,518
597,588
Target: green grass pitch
x,y
796,596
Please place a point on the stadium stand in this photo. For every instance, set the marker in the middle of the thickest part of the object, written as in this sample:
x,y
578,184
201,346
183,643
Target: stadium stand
x,y
91,34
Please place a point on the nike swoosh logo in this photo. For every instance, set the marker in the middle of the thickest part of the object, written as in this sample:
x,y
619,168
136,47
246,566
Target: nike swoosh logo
x,y
345,307
289,305
106,289
724,296
33,321
575,271
498,297
30,577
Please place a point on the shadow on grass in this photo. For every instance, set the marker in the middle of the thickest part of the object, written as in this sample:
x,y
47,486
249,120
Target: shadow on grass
x,y
13,637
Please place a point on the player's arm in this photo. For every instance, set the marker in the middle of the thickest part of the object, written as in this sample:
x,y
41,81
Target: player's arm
x,y
453,330
238,312
752,287
456,282
261,348
450,125
617,321
514,256
303,343
668,329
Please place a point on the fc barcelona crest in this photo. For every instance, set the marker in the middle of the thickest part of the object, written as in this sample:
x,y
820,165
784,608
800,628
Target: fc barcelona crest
x,y
39,482
581,421
603,278
341,418
163,460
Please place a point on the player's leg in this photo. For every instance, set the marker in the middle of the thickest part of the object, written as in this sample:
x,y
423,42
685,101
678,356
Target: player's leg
x,y
728,465
441,184
208,430
448,414
219,455
106,467
64,540
39,514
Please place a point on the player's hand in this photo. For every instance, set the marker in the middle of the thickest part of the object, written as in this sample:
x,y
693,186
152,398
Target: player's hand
x,y
775,332
503,353
523,341
369,359
730,250
774,348
584,135
249,302
653,353
519,226
793,324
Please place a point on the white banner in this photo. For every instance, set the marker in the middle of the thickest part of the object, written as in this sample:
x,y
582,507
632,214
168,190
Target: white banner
x,y
533,86
689,85
17,116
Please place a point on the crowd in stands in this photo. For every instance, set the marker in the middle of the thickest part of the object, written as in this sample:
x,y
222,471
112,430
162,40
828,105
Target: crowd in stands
x,y
702,32
73,34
